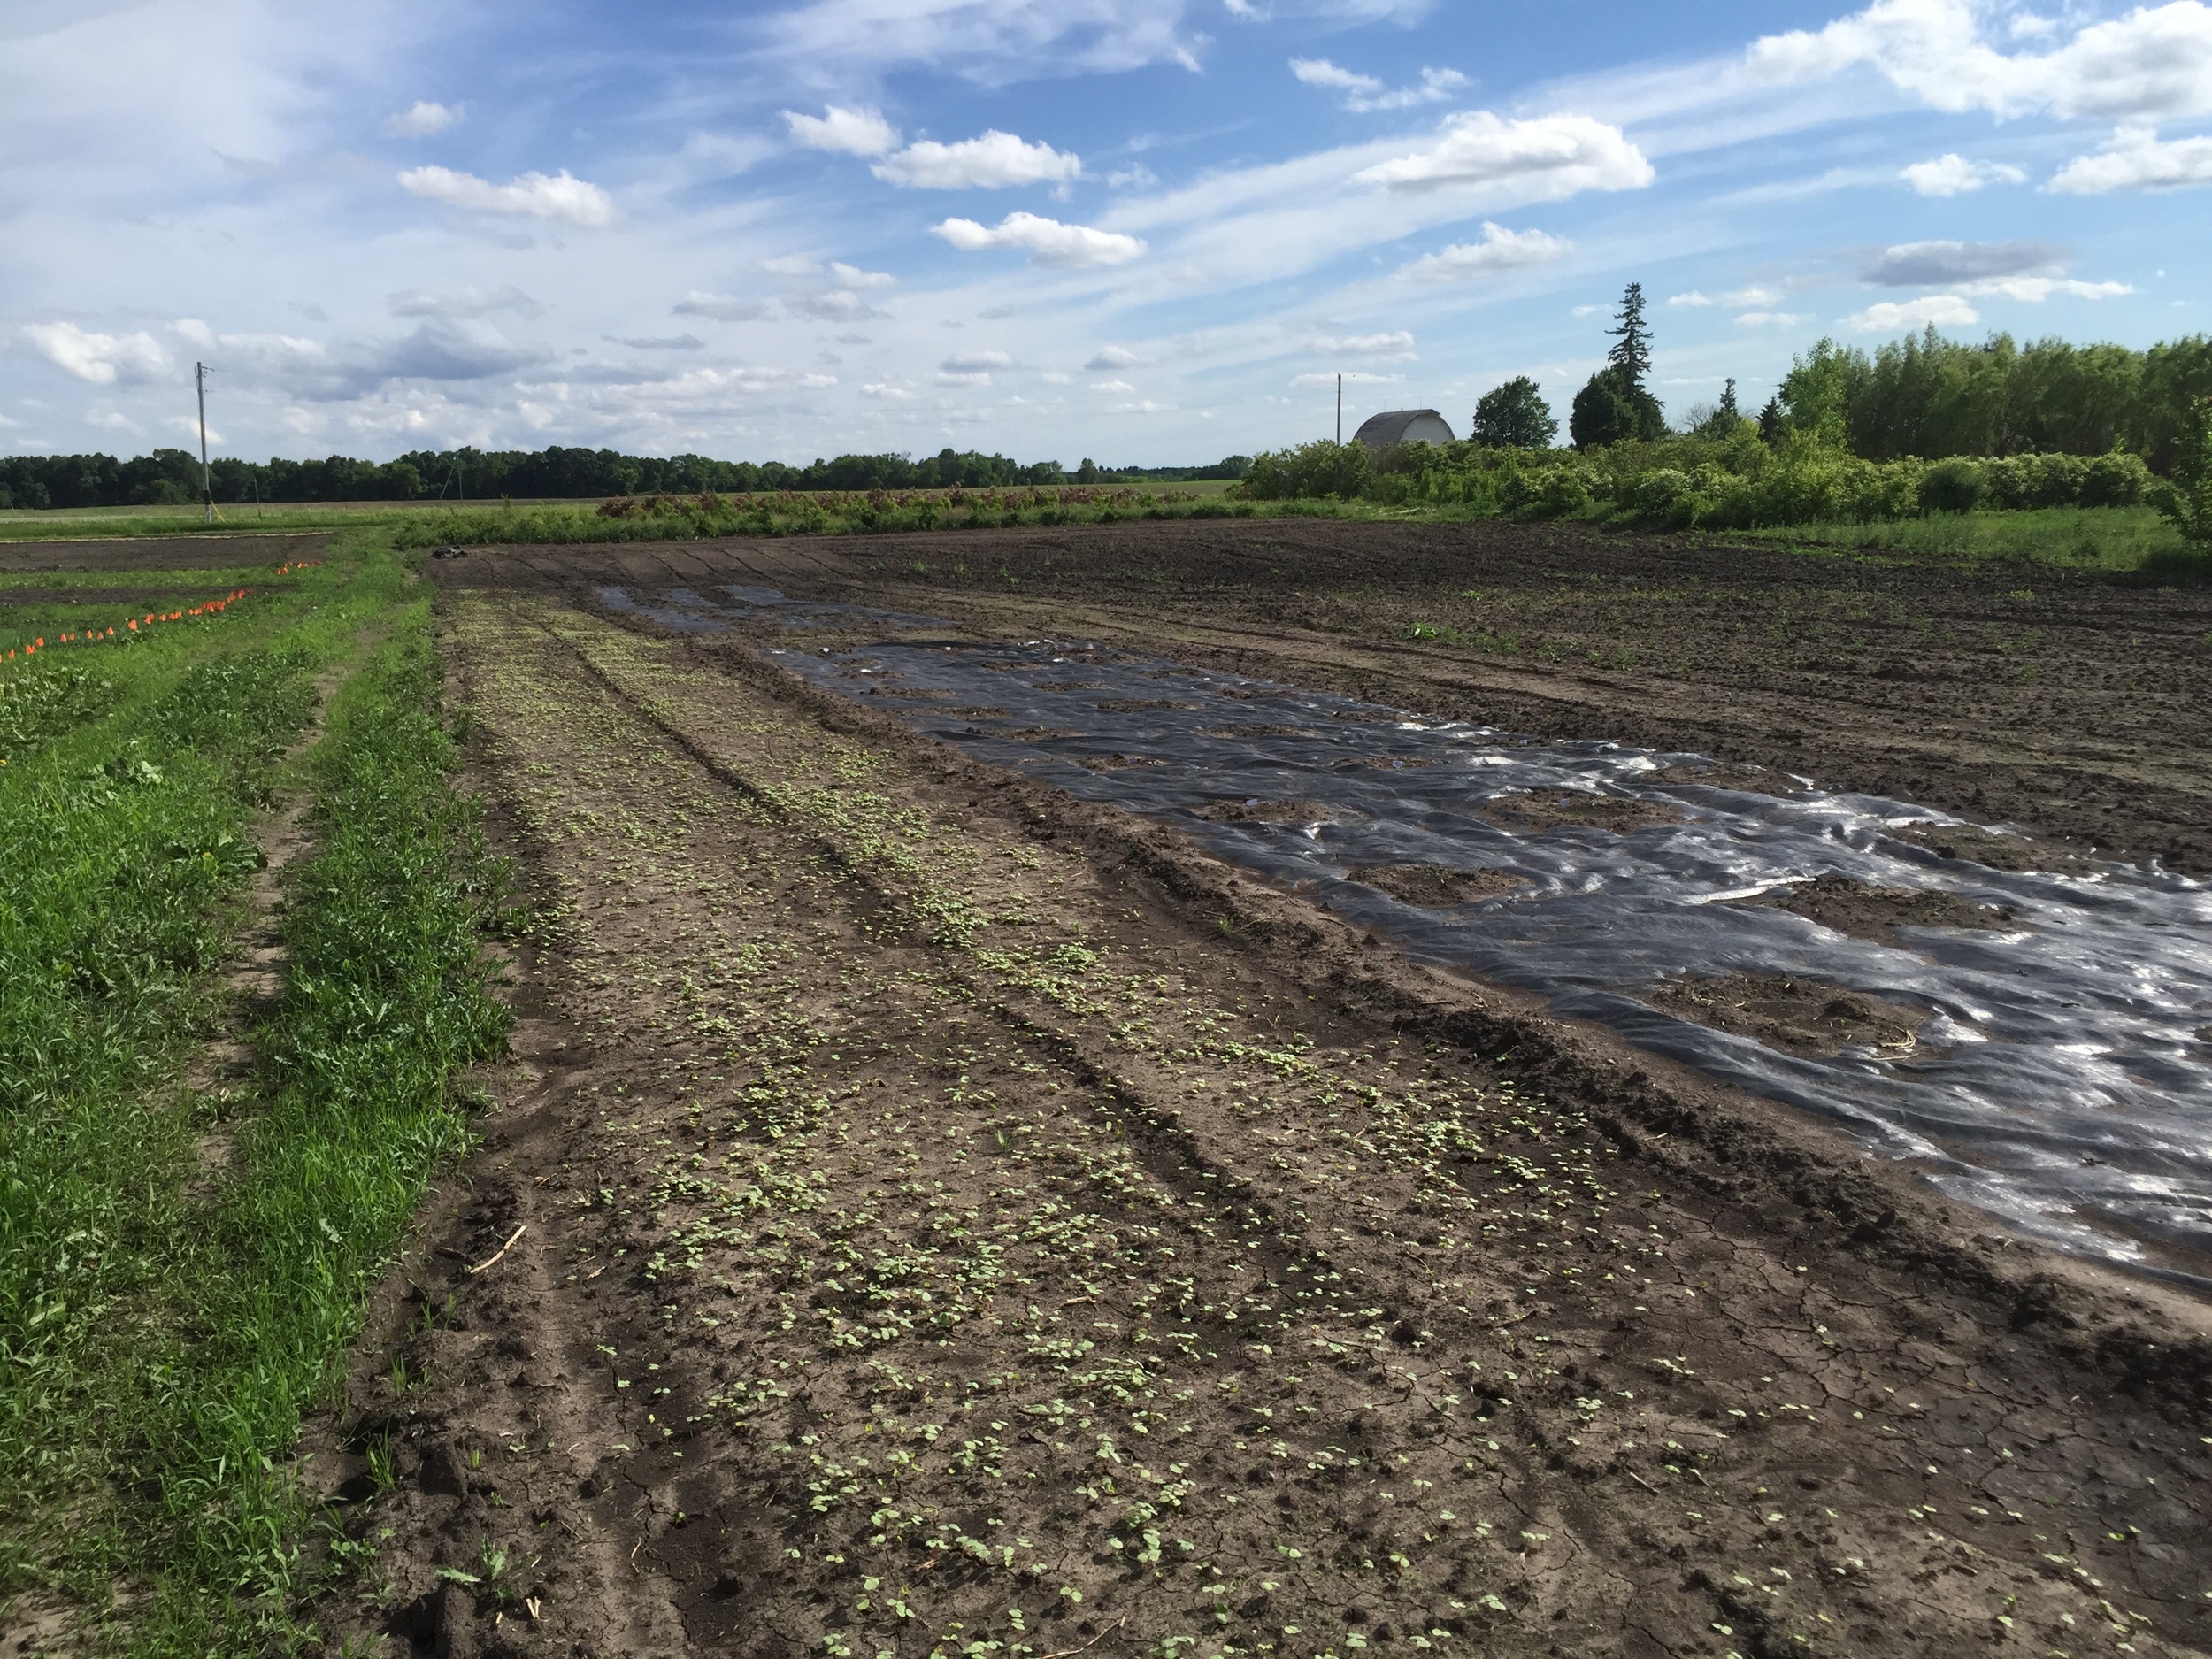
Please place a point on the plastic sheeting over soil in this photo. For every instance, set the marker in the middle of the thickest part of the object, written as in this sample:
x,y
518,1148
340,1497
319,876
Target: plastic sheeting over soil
x,y
2042,1051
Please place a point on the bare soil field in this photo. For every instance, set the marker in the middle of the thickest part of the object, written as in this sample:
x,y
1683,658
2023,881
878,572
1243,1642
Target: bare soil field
x,y
2069,705
212,551
926,1215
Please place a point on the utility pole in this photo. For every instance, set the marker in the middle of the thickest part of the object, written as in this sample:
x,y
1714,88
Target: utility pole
x,y
1339,410
207,492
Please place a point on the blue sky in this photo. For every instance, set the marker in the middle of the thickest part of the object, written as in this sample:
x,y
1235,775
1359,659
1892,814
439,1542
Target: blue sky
x,y
1150,231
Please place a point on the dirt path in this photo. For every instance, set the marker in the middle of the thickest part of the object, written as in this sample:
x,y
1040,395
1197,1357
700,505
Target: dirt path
x,y
960,1221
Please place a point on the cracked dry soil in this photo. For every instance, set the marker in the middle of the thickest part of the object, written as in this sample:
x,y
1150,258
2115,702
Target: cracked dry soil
x,y
962,1221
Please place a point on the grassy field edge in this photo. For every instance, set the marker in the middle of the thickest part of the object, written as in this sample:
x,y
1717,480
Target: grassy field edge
x,y
389,996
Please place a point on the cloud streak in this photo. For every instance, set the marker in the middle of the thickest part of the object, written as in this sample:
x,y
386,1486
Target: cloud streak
x,y
1365,94
423,120
534,195
989,163
2155,62
2135,159
101,359
1048,242
1500,250
1955,175
1548,158
845,132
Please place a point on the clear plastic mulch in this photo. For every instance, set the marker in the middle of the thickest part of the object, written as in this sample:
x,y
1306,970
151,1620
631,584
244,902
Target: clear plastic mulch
x,y
2037,1032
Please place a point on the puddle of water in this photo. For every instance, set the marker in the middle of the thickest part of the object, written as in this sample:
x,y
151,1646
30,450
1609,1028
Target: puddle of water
x,y
2059,1080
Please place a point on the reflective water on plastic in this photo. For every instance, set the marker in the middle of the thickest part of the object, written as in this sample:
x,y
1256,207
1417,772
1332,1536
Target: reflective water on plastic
x,y
2059,1081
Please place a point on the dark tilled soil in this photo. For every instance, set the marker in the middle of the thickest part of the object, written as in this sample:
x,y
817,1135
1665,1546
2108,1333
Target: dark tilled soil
x,y
957,1216
192,552
1616,814
2069,706
1722,775
1993,851
1434,885
1795,1016
1864,911
1252,809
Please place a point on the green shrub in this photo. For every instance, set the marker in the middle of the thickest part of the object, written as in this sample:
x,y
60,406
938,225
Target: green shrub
x,y
1310,473
1954,486
1665,494
2117,479
2188,500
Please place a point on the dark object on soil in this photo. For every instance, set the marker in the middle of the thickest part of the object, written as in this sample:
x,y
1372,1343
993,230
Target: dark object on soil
x,y
1254,810
1981,846
1795,1016
1118,763
1870,912
1436,885
1723,775
1617,813
449,553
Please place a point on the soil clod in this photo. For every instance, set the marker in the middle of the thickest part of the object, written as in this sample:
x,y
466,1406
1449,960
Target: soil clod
x,y
1795,1015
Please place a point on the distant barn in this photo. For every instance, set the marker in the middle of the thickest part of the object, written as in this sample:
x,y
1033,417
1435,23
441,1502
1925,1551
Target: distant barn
x,y
1403,425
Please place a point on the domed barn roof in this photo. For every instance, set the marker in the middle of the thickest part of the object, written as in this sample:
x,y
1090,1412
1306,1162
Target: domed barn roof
x,y
1403,425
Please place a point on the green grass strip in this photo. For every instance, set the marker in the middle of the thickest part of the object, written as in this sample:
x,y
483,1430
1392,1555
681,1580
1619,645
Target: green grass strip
x,y
162,1332
388,996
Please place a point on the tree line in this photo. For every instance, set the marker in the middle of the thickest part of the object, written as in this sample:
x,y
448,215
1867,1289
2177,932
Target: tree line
x,y
172,477
1924,396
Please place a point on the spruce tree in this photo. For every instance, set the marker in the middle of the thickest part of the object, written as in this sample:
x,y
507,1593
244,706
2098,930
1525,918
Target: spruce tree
x,y
1630,358
1728,401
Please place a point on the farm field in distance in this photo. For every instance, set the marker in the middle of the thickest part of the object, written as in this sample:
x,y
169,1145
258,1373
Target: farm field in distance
x,y
923,1213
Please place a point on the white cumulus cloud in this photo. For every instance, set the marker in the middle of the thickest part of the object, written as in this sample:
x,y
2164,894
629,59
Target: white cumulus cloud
x,y
425,120
2035,290
1500,250
849,276
1772,320
1548,156
988,163
1365,93
848,132
102,359
1757,298
1942,309
561,196
1954,175
1353,378
2137,160
1116,358
1399,343
2154,61
1049,243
